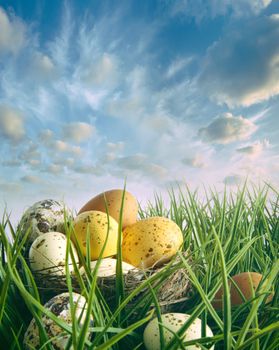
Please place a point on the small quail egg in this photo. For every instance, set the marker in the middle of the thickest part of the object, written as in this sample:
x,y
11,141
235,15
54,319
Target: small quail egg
x,y
174,321
48,253
60,307
43,216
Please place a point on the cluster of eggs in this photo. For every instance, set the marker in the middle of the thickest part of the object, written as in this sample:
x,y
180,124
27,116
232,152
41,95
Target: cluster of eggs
x,y
145,243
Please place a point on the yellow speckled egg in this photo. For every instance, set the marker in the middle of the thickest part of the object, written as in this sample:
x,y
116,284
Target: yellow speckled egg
x,y
97,224
151,241
114,200
247,283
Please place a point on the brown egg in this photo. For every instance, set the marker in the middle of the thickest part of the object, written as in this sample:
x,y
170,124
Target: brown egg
x,y
245,281
114,198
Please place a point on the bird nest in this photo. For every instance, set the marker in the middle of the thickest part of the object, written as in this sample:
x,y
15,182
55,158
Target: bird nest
x,y
170,283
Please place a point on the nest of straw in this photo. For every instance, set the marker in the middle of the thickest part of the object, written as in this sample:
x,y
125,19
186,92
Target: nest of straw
x,y
171,285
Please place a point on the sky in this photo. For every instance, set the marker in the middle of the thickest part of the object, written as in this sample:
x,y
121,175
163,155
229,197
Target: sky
x,y
157,92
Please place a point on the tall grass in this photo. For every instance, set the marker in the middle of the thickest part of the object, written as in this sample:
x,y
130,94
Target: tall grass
x,y
223,235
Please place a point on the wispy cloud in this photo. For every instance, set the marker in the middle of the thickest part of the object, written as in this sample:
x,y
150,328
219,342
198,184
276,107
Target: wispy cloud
x,y
196,162
241,68
78,131
11,124
12,34
255,149
203,9
31,179
227,128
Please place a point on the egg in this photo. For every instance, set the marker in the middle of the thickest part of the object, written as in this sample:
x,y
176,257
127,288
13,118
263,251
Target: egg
x,y
151,241
174,321
107,267
114,200
60,307
43,216
247,282
96,223
47,254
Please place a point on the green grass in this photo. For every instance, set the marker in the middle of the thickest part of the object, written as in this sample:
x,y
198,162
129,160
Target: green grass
x,y
223,234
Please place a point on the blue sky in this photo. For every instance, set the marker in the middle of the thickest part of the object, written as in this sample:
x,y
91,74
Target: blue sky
x,y
159,92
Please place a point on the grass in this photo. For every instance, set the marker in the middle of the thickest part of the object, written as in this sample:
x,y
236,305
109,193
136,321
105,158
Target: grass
x,y
224,235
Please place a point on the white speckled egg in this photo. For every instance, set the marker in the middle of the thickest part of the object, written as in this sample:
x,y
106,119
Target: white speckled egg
x,y
47,254
174,321
108,267
60,307
43,216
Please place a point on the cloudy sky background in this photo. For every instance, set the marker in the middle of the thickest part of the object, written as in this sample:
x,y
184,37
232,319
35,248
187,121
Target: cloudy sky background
x,y
155,91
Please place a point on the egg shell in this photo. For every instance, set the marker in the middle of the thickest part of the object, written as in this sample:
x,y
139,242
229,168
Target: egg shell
x,y
174,321
96,222
114,200
246,282
48,253
43,216
151,241
108,267
60,307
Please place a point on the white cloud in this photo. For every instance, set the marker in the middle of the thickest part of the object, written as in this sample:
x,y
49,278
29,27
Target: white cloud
x,y
103,72
241,69
196,162
226,129
31,154
78,132
46,135
113,150
31,179
139,164
11,124
12,33
41,67
89,169
64,147
255,149
54,169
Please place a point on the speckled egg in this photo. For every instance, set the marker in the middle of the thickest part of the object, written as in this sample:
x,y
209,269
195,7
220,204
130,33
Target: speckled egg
x,y
96,223
47,254
108,267
114,200
60,307
151,241
43,216
247,283
174,321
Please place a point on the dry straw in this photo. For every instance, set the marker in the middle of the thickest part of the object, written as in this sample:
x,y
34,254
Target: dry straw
x,y
170,282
